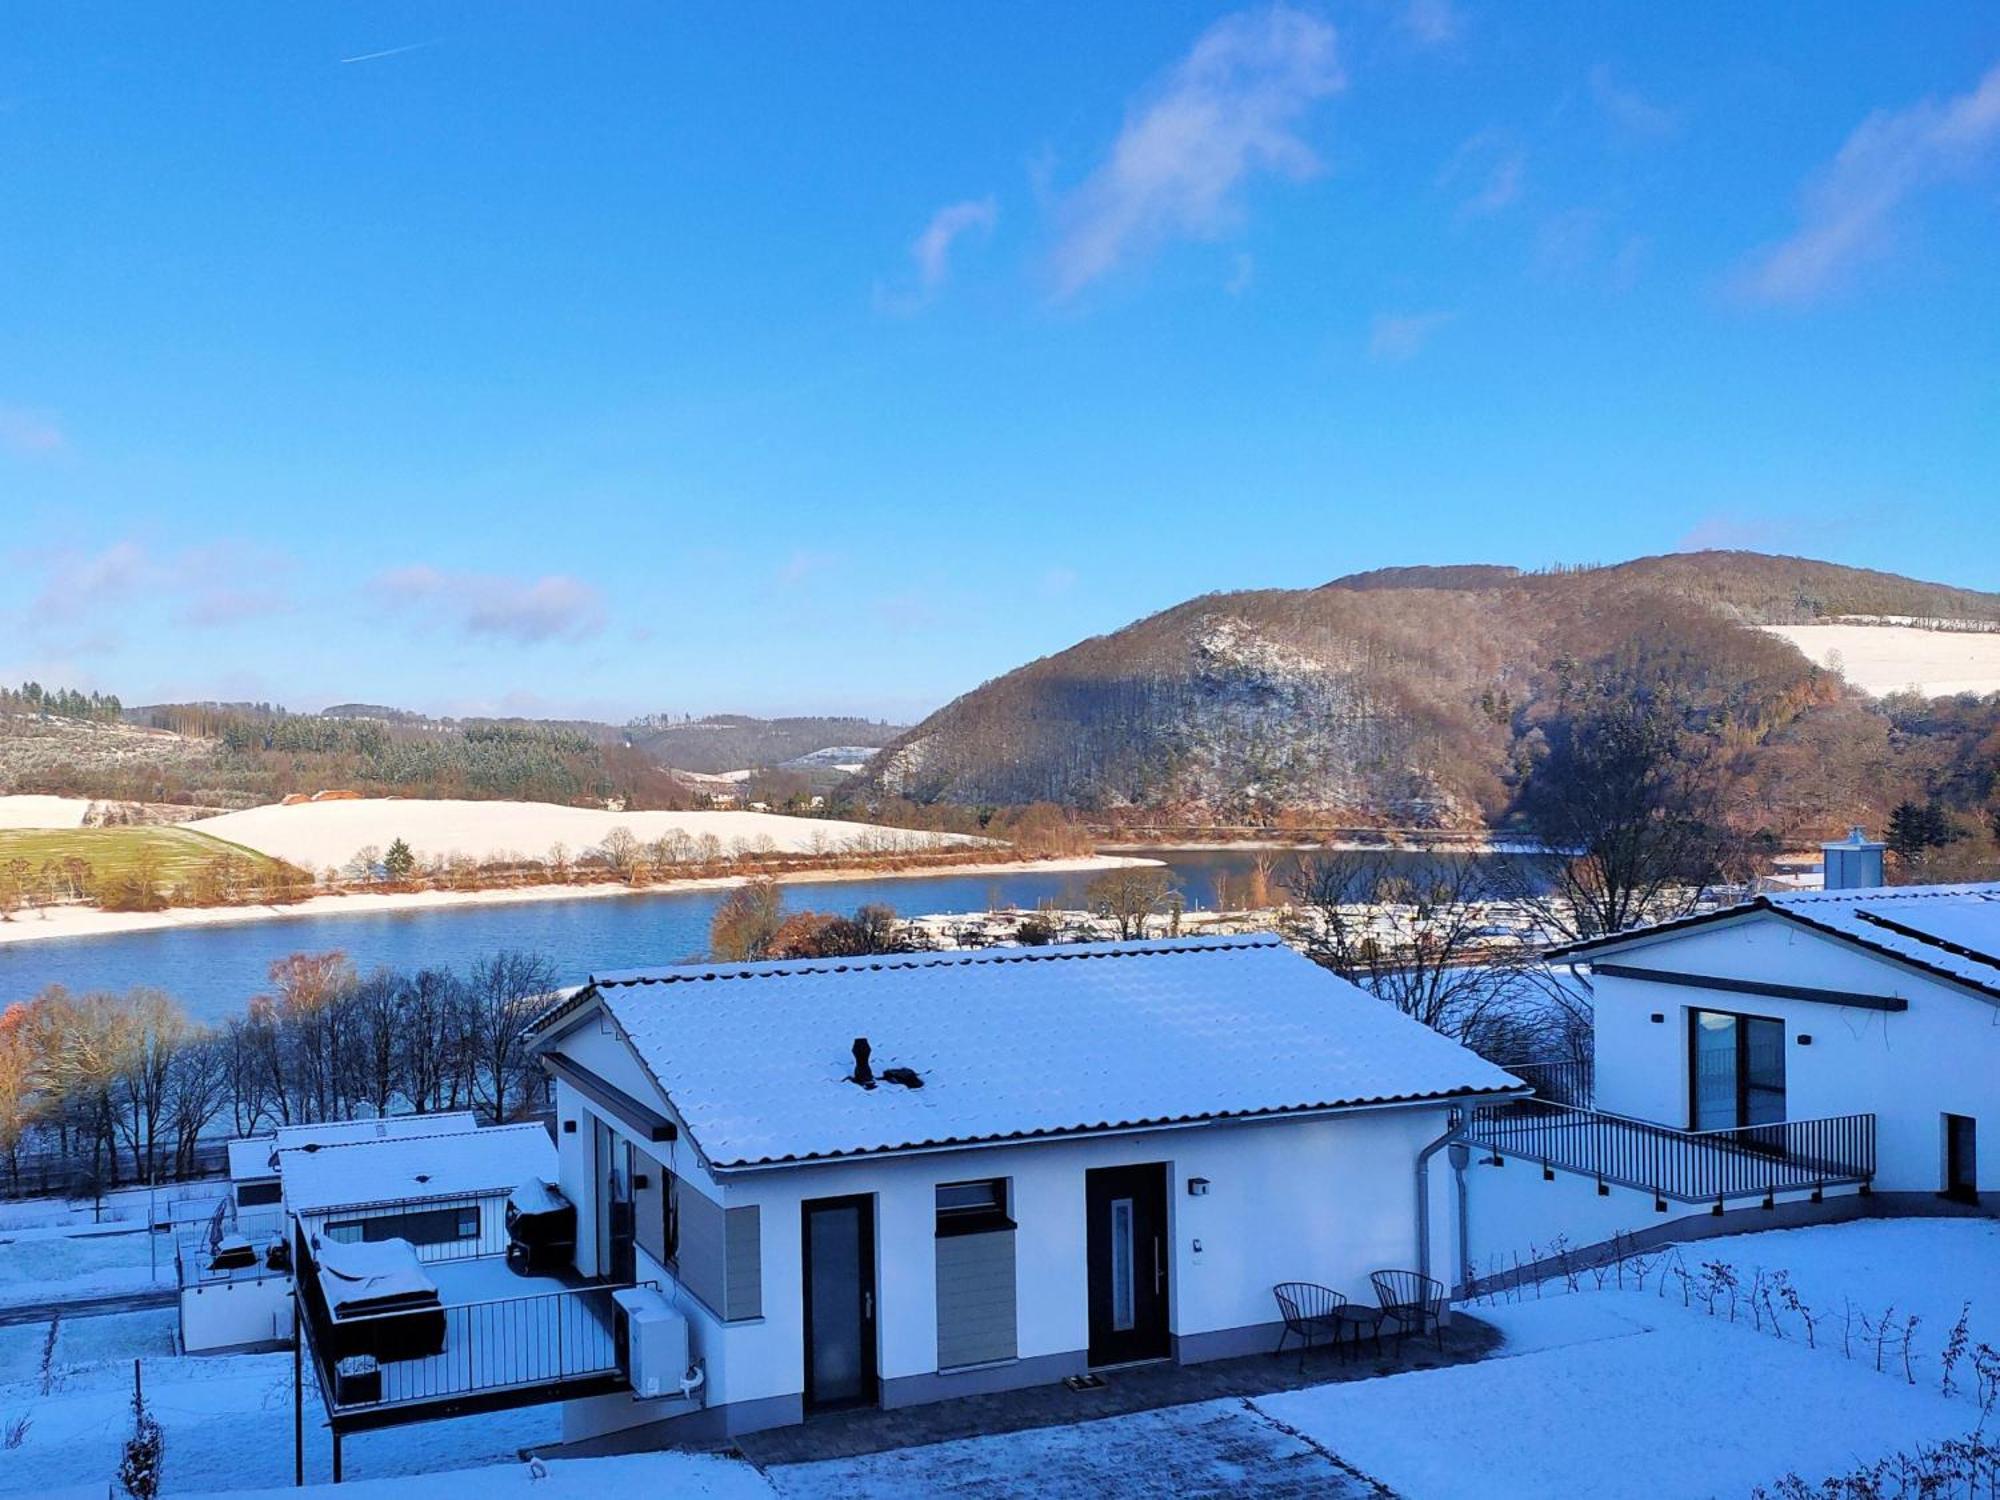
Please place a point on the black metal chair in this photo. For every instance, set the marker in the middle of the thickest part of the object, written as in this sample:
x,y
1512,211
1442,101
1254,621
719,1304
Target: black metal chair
x,y
1308,1310
1412,1299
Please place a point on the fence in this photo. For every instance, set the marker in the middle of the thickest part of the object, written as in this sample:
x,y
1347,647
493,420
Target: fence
x,y
1688,1166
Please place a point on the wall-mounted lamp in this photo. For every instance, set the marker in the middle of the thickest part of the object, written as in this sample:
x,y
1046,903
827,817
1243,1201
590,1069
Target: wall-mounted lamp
x,y
1197,1187
1805,1038
569,1127
1658,1018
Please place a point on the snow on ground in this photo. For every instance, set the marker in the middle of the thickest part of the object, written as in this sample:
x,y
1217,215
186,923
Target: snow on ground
x,y
318,835
228,1418
1679,1405
51,1264
672,1476
1883,659
24,811
1929,1267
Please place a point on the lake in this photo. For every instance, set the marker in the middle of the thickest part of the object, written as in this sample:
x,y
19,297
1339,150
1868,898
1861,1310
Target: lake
x,y
215,969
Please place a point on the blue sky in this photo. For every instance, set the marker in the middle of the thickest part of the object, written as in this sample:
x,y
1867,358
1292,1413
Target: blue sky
x,y
837,357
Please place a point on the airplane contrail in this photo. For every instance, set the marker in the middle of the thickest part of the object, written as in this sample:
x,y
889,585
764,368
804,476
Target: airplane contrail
x,y
389,52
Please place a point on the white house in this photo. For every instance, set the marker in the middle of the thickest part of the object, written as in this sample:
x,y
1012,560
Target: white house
x,y
899,1179
444,1194
1816,1005
435,1180
1796,1048
253,1159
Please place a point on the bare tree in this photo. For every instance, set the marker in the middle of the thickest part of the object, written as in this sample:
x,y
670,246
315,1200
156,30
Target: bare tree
x,y
503,993
1419,938
1628,811
1129,895
747,922
430,1030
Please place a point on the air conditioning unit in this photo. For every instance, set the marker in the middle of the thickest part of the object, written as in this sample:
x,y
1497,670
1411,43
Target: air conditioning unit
x,y
655,1339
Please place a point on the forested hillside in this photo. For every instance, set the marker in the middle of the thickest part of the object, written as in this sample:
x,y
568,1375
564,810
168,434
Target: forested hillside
x,y
1422,696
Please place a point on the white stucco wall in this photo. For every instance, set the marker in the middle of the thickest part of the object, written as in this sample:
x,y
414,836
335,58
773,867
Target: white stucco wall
x,y
1908,1068
1326,1199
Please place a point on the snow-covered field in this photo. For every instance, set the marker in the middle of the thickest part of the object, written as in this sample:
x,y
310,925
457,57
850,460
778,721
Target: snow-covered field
x,y
1883,659
25,811
319,835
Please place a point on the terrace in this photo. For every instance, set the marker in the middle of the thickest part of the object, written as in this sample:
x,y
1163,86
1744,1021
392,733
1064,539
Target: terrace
x,y
1558,1128
483,1339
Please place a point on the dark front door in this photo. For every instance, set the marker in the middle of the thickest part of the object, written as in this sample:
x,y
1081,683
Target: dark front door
x,y
840,1301
1961,1158
1127,1252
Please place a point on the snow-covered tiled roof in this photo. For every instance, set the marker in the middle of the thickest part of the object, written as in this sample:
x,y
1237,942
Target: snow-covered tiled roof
x,y
1018,1042
250,1157
254,1156
1949,930
468,1164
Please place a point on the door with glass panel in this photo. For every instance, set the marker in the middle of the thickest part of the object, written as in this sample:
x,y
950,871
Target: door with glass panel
x,y
839,1264
1126,1247
1737,1072
616,1221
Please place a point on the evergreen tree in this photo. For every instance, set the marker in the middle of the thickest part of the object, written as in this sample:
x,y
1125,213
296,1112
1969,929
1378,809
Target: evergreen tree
x,y
398,862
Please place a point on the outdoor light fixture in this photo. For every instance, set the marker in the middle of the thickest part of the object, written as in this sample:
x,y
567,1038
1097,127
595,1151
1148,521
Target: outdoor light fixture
x,y
1805,1038
569,1127
1197,1187
1658,1018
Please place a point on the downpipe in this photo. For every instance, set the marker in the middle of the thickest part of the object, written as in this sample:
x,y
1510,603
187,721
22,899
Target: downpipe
x,y
1459,1158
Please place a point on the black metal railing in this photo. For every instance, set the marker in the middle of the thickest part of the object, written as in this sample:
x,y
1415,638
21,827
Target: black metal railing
x,y
1560,1080
544,1339
549,1342
1688,1166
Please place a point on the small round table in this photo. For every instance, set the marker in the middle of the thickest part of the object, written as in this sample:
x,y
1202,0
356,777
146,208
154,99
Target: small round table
x,y
1354,1320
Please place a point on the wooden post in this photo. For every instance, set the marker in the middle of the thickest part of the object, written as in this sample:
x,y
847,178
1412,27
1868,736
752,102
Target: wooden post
x,y
336,1455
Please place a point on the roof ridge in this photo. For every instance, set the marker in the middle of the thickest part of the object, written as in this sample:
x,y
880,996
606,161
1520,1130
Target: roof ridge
x,y
1168,947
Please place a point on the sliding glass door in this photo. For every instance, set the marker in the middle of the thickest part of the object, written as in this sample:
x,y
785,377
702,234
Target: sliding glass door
x,y
1737,1068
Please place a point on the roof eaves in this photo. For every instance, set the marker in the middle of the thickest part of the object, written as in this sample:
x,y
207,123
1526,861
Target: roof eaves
x,y
1163,1122
1611,940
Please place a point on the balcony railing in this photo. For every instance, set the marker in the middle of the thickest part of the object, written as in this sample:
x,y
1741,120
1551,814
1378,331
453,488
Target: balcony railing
x,y
547,1340
459,1356
1686,1166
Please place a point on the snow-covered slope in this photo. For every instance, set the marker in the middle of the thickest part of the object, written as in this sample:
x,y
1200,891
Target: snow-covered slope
x,y
1883,659
316,835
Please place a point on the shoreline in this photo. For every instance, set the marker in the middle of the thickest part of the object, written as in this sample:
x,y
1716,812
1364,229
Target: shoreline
x,y
1468,845
70,922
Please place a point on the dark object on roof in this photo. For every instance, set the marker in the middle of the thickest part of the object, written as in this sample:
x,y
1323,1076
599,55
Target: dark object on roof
x,y
862,1074
909,1078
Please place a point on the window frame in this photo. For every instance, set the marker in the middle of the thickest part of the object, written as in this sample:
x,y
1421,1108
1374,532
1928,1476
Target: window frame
x,y
992,1215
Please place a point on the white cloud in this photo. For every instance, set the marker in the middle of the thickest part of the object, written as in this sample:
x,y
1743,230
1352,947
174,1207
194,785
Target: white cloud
x,y
1432,23
29,432
1487,171
1848,210
1227,111
1627,108
555,607
1396,337
1242,271
932,249
77,582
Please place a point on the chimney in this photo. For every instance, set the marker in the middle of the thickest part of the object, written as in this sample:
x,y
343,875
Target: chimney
x,y
862,1074
1851,864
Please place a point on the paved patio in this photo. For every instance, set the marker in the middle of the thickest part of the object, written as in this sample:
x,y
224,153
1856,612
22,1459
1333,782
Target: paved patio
x,y
1142,1388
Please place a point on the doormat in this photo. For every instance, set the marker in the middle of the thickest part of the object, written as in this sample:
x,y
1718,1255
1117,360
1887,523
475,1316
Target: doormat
x,y
1084,1382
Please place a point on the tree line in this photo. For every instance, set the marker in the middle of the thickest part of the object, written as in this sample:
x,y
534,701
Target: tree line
x,y
105,1089
60,703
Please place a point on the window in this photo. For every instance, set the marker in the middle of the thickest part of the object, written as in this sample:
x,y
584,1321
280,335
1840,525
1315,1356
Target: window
x,y
431,1226
1736,1070
972,1207
258,1194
